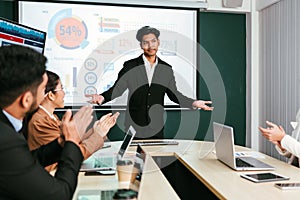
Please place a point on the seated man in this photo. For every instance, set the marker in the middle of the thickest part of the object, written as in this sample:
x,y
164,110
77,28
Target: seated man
x,y
22,174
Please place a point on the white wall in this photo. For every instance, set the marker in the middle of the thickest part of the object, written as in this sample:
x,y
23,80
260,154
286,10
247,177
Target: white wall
x,y
252,95
261,4
252,85
217,5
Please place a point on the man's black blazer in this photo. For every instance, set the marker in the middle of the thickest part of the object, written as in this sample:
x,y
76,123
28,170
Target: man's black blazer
x,y
145,104
22,175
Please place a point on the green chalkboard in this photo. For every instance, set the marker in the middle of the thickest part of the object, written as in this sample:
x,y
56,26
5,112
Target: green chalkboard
x,y
223,36
7,9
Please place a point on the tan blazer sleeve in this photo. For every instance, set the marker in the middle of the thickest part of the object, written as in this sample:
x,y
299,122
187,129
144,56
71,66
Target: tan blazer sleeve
x,y
91,145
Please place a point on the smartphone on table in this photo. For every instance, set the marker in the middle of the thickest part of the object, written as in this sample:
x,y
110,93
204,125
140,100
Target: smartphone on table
x,y
288,186
264,177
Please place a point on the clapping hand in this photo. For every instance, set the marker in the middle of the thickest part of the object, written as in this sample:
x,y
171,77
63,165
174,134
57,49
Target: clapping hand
x,y
273,133
103,125
73,128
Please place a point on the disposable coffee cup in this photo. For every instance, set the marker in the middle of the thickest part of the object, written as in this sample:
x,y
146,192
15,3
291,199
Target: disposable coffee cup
x,y
135,172
124,170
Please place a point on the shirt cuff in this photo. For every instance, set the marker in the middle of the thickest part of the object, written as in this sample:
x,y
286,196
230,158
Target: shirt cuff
x,y
284,142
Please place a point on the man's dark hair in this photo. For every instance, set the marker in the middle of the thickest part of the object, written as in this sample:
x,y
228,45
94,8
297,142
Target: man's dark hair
x,y
21,69
145,31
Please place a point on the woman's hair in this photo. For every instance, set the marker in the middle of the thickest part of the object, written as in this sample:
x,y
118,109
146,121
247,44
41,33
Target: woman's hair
x,y
53,80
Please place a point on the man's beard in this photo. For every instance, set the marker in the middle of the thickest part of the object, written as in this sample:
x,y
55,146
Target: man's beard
x,y
151,53
33,108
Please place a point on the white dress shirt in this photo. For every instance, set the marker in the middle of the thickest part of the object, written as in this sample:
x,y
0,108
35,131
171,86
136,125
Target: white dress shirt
x,y
17,124
149,69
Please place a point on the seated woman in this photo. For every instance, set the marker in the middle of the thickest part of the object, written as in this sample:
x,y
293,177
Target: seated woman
x,y
44,126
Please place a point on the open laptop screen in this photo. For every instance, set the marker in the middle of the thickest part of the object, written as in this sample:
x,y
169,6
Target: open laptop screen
x,y
13,33
225,151
126,142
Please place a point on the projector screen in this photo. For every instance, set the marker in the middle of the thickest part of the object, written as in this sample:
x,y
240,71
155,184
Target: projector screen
x,y
87,44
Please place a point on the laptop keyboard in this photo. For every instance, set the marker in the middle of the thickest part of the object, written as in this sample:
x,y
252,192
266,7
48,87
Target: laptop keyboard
x,y
241,163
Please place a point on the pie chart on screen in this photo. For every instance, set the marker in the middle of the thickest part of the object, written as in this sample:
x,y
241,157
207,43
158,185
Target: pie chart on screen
x,y
69,31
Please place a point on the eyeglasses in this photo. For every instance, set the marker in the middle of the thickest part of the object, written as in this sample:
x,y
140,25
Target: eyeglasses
x,y
59,89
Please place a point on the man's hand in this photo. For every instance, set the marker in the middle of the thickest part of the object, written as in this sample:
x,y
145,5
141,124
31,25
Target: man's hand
x,y
83,118
74,128
202,104
95,98
103,125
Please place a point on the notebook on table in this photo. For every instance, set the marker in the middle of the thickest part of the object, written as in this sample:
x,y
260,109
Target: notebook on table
x,y
104,163
225,152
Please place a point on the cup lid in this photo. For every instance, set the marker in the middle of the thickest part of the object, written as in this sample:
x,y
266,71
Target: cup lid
x,y
124,162
125,194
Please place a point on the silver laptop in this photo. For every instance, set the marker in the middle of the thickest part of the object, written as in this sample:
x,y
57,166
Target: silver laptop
x,y
225,152
108,163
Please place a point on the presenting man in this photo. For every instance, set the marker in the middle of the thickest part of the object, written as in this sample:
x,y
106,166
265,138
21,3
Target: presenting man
x,y
148,79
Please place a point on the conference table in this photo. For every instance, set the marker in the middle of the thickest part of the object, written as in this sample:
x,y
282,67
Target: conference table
x,y
191,169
